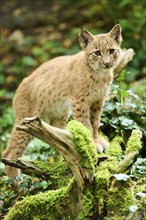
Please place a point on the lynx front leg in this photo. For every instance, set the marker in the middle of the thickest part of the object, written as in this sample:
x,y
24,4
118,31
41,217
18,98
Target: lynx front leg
x,y
95,114
81,113
16,147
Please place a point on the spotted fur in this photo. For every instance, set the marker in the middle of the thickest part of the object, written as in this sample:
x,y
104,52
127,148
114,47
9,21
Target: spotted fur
x,y
68,85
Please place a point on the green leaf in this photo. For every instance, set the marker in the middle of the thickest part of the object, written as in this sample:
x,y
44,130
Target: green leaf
x,y
28,61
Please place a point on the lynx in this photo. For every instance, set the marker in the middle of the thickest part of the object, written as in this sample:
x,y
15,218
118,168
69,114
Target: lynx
x,y
74,85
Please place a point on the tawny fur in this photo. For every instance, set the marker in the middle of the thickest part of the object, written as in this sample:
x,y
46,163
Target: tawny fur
x,y
69,85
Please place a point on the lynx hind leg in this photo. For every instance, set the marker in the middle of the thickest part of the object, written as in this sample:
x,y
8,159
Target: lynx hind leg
x,y
101,144
16,147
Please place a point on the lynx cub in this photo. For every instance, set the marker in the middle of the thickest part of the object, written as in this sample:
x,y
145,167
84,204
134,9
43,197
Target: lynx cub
x,y
68,85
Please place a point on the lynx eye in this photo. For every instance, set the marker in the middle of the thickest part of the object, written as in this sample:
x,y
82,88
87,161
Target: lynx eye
x,y
97,53
111,51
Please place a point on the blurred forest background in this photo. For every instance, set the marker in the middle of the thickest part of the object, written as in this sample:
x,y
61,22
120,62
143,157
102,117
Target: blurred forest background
x,y
33,32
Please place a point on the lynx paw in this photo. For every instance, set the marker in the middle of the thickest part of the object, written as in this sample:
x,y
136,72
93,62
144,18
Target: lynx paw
x,y
101,144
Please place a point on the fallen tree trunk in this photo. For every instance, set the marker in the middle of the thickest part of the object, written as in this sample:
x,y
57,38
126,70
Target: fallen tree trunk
x,y
89,186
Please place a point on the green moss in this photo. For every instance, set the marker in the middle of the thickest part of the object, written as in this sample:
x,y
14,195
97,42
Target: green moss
x,y
139,199
55,167
111,163
119,199
115,148
58,172
84,144
48,205
99,196
106,193
122,197
134,142
87,203
116,217
102,178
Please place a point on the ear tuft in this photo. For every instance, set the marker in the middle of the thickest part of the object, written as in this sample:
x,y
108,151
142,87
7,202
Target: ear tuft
x,y
115,33
85,37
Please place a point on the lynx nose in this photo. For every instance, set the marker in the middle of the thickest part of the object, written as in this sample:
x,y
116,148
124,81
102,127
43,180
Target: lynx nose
x,y
107,64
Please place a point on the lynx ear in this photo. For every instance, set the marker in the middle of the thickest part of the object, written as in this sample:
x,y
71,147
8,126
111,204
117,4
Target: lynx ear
x,y
115,33
85,37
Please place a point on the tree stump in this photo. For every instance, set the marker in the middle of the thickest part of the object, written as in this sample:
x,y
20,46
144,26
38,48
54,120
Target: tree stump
x,y
95,187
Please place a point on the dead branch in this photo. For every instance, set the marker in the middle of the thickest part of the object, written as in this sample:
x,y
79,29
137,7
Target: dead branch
x,y
27,167
126,55
127,162
62,141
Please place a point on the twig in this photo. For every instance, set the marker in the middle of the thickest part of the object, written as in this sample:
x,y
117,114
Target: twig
x,y
127,162
27,167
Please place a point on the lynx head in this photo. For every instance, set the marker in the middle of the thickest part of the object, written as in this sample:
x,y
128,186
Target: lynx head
x,y
101,50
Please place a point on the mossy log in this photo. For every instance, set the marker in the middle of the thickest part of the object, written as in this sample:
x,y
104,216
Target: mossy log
x,y
87,187
63,142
